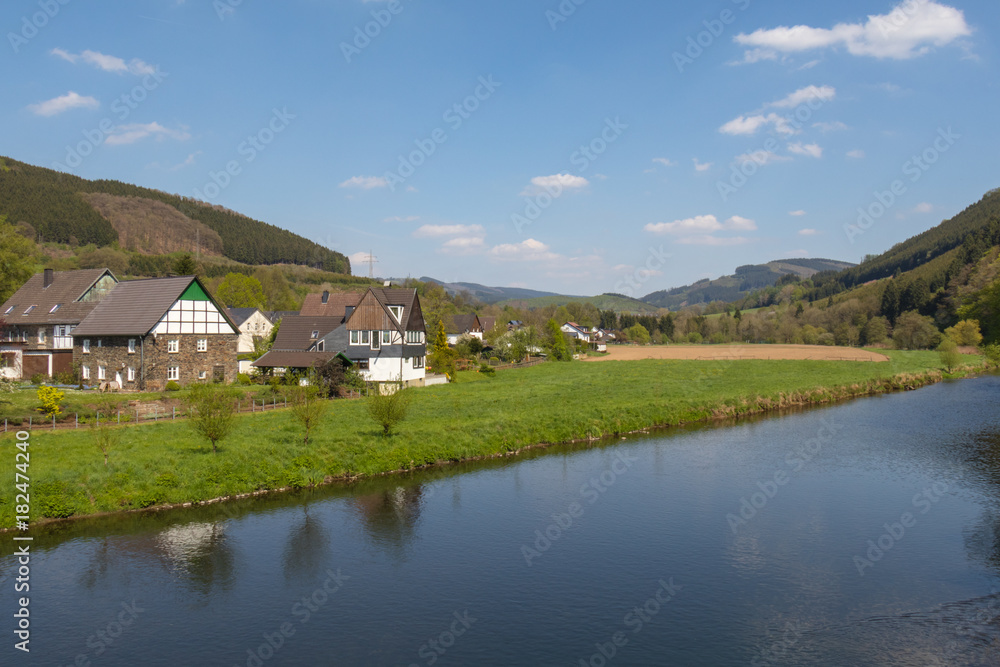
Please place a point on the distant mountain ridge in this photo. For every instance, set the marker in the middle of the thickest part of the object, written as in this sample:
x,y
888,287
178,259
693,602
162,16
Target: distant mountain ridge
x,y
68,209
490,294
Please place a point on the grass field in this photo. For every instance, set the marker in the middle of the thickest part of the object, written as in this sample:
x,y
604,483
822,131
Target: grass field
x,y
732,352
478,416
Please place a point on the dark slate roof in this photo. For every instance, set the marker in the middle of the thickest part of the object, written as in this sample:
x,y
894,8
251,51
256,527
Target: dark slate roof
x,y
134,307
240,315
460,324
293,359
295,333
66,288
487,323
275,315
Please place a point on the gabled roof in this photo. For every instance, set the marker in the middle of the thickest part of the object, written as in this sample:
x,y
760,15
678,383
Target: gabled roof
x,y
487,323
276,315
134,307
460,324
372,312
241,315
66,288
293,359
336,305
295,333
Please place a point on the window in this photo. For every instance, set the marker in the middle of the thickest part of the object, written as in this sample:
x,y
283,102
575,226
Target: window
x,y
85,372
202,375
9,310
102,373
315,334
321,346
174,373
131,345
30,308
397,312
363,365
41,336
131,374
418,362
387,338
86,346
55,308
173,346
376,341
100,343
366,337
203,345
355,338
413,337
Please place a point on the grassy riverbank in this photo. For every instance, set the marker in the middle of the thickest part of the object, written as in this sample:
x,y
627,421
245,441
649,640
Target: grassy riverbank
x,y
478,416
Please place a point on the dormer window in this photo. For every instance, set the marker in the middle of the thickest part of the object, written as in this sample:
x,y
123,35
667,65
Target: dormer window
x,y
315,334
30,308
55,307
397,312
9,310
321,346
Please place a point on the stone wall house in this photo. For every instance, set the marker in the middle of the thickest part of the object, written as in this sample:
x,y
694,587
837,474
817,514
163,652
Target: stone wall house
x,y
150,332
39,318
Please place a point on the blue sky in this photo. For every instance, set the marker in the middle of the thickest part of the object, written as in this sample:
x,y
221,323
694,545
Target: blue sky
x,y
581,147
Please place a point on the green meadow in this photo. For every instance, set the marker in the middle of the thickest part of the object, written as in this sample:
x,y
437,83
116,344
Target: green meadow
x,y
477,416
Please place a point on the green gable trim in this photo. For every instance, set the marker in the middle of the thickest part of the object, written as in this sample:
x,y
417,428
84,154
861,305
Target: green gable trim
x,y
195,293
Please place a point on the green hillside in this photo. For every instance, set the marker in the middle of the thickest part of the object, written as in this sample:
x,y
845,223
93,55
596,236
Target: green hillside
x,y
614,302
52,203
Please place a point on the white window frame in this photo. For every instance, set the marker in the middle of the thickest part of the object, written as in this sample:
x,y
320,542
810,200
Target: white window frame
x,y
41,335
85,372
173,373
55,308
366,337
397,312
355,338
203,345
315,334
102,373
202,375
418,362
414,337
376,341
321,346
173,346
9,310
131,345
131,374
387,338
86,346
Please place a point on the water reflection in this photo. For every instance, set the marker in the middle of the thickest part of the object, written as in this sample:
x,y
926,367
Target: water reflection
x,y
307,550
201,553
390,518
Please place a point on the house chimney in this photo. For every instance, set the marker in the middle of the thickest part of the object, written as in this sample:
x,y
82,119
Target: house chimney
x,y
326,297
47,279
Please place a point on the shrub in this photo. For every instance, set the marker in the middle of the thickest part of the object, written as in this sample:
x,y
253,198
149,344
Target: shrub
x,y
950,356
486,369
243,379
212,409
51,398
54,501
308,407
915,332
388,405
39,378
965,332
173,386
992,353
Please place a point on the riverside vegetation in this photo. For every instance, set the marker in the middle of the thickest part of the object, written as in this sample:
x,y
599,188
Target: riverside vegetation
x,y
478,416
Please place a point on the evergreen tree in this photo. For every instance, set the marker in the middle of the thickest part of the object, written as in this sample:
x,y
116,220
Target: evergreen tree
x,y
558,350
185,266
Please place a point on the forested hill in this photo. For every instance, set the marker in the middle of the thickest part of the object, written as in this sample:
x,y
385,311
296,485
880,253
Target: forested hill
x,y
976,228
55,206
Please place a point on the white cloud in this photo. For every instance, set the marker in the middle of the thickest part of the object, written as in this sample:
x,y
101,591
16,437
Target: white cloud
x,y
857,154
808,232
710,240
526,251
702,166
129,134
923,207
464,245
554,185
359,258
191,159
396,218
755,56
701,224
664,161
908,31
747,125
810,64
365,182
811,150
807,94
797,214
835,126
761,158
436,231
63,103
105,62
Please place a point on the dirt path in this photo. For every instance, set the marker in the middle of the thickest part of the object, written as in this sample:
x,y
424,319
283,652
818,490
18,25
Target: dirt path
x,y
711,352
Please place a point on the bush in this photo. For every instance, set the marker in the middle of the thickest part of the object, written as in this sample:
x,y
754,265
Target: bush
x,y
915,332
243,379
486,369
39,378
212,409
992,353
173,386
695,338
54,501
309,405
388,405
965,332
950,356
51,399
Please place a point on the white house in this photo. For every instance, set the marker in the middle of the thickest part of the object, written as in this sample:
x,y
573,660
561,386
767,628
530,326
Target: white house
x,y
254,325
463,325
576,331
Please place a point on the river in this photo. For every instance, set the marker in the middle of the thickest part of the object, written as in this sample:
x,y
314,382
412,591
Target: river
x,y
865,533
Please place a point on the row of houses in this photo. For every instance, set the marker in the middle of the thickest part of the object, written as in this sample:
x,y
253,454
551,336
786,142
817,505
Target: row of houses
x,y
142,334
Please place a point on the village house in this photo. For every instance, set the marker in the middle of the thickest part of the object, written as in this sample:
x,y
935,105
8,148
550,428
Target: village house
x,y
254,326
463,325
380,332
576,331
39,319
147,333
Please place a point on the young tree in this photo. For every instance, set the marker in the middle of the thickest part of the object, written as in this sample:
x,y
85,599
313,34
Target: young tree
x,y
185,265
640,334
440,341
239,291
388,405
308,407
558,350
107,433
212,409
950,356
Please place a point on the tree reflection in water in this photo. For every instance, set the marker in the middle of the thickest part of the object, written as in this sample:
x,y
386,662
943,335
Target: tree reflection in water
x,y
390,518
